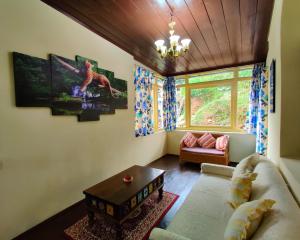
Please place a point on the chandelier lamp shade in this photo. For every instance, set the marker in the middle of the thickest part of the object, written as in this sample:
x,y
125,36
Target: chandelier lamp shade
x,y
175,49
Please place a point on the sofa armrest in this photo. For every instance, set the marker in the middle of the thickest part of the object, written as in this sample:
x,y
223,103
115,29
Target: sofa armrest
x,y
217,169
182,144
161,234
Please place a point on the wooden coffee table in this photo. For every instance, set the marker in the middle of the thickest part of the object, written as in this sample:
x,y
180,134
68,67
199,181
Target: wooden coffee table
x,y
115,200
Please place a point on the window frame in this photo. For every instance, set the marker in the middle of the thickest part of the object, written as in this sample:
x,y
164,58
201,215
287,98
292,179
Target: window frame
x,y
155,87
233,82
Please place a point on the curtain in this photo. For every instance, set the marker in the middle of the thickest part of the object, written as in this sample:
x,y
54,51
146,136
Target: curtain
x,y
143,101
258,108
169,104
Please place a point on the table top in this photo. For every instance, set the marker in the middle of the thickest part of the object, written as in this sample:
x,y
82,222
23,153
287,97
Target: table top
x,y
115,191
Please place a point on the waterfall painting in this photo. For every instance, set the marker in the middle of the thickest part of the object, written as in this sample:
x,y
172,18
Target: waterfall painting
x,y
70,87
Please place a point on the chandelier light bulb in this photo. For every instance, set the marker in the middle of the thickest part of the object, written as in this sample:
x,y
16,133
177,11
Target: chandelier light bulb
x,y
185,43
178,48
159,44
163,50
174,40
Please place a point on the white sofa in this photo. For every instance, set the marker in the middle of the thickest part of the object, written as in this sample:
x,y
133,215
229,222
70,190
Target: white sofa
x,y
205,212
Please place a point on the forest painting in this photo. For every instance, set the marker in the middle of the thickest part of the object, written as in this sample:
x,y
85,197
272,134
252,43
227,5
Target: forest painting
x,y
33,86
69,87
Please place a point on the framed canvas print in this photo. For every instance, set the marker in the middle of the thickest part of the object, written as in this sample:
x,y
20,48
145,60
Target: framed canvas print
x,y
70,87
272,85
65,79
121,101
32,81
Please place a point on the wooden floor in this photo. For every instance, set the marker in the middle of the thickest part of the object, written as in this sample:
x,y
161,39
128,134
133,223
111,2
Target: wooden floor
x,y
178,179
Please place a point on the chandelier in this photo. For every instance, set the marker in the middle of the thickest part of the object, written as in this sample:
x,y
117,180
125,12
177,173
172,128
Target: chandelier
x,y
176,49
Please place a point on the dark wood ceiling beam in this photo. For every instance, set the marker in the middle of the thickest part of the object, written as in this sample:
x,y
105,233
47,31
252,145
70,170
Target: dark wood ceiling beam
x,y
223,33
189,59
188,27
105,32
232,17
263,19
201,19
215,13
200,70
159,30
143,46
195,50
132,13
248,19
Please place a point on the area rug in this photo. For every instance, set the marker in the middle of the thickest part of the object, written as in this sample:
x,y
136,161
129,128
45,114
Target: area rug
x,y
138,227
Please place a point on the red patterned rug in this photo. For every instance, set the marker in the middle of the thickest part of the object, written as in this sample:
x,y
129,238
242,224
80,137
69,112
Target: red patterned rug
x,y
138,227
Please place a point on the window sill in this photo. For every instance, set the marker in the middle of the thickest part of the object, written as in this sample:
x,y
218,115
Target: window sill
x,y
214,130
159,131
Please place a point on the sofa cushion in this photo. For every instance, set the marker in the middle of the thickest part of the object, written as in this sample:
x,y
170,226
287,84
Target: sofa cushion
x,y
241,187
205,213
210,143
161,234
246,219
283,222
206,139
246,165
190,140
204,151
222,142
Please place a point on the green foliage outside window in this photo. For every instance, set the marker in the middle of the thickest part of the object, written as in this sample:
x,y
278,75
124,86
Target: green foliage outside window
x,y
211,106
245,72
211,77
242,102
180,108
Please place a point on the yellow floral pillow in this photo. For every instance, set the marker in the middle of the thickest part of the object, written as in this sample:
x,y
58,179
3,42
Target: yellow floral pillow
x,y
246,219
241,187
246,165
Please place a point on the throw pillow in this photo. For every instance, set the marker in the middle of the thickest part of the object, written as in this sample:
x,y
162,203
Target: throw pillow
x,y
190,140
221,142
210,143
241,187
246,165
206,141
246,219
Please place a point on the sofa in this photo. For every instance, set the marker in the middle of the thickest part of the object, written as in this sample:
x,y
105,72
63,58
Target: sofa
x,y
203,155
205,212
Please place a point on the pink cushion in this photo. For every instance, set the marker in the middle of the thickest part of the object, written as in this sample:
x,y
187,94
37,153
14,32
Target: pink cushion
x,y
190,140
204,150
207,141
222,142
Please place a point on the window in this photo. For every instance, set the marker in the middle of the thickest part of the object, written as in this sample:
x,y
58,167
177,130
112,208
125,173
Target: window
x,y
157,91
180,107
242,102
211,106
211,77
214,100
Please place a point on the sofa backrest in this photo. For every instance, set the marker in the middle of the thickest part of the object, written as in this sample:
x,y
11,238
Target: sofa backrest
x,y
283,222
199,134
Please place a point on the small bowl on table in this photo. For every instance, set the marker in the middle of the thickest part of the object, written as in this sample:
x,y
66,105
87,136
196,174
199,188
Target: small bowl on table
x,y
127,179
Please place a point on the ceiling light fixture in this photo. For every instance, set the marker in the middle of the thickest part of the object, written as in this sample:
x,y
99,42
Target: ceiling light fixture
x,y
176,49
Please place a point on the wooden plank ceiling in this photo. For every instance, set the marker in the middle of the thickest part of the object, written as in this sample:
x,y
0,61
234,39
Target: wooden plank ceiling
x,y
224,33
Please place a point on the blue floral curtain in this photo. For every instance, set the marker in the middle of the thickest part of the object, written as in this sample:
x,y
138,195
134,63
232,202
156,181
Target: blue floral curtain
x,y
143,101
169,104
258,108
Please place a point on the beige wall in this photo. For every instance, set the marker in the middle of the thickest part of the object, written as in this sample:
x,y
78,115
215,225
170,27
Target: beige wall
x,y
274,119
46,161
290,53
242,144
284,46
